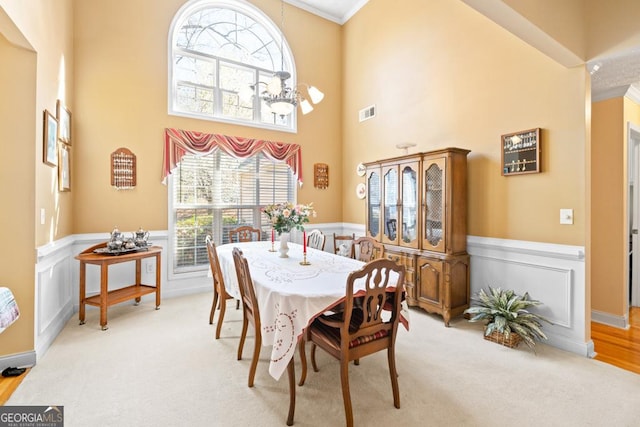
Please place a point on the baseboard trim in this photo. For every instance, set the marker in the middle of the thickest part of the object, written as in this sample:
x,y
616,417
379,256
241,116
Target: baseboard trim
x,y
18,360
610,319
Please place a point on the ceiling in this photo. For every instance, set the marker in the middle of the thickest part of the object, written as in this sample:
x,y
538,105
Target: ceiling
x,y
615,75
338,11
610,77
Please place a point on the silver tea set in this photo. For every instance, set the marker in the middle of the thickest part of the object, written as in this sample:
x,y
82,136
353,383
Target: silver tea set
x,y
119,242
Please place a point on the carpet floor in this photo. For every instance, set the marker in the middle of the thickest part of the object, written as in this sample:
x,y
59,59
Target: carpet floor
x,y
164,368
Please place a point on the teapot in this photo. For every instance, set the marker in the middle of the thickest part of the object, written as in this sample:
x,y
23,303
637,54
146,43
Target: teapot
x,y
140,237
116,240
116,235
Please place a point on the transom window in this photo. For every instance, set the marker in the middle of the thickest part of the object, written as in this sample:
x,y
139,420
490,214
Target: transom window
x,y
214,193
219,51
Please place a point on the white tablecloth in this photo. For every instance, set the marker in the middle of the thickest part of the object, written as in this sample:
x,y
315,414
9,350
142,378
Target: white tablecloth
x,y
289,295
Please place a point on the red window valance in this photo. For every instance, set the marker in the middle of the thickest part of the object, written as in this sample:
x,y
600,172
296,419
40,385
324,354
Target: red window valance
x,y
179,142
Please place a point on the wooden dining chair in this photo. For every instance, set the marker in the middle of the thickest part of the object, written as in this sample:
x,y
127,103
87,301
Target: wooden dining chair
x,y
220,295
316,239
245,233
360,331
251,312
366,249
344,241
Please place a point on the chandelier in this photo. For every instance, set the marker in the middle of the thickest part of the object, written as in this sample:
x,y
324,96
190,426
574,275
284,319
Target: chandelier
x,y
282,99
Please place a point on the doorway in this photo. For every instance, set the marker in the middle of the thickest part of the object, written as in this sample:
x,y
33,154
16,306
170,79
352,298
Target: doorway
x,y
633,217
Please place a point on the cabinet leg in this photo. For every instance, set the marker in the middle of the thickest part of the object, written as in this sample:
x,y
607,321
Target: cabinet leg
x,y
447,316
105,327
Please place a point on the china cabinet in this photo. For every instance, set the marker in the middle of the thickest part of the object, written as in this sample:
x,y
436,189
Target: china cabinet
x,y
417,207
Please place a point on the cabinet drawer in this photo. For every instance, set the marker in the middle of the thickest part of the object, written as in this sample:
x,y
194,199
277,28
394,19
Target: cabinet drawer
x,y
408,260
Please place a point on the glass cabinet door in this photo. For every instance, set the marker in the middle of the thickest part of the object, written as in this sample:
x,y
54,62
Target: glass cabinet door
x,y
434,205
373,203
409,214
390,225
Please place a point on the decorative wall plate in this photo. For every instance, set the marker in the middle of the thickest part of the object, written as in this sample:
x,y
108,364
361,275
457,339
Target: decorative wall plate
x,y
361,191
361,170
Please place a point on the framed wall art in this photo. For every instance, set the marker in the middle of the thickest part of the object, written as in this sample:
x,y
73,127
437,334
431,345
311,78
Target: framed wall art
x,y
520,152
64,167
64,121
50,139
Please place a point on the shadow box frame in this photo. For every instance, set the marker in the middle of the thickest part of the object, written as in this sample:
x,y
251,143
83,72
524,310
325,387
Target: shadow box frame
x,y
520,152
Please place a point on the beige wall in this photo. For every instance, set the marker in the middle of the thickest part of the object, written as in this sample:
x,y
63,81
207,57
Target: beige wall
x,y
121,101
17,182
607,213
35,39
436,86
609,172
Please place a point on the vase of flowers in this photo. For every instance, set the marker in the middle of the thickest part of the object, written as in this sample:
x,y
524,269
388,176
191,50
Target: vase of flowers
x,y
285,217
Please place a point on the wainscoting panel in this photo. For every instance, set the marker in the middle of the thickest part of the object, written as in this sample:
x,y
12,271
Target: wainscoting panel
x,y
54,292
552,285
552,274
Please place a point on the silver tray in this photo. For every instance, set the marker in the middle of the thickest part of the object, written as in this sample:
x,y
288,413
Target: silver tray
x,y
122,251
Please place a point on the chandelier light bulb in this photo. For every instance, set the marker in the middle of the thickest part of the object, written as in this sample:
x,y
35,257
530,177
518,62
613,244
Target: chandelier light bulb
x,y
306,106
274,87
246,93
315,94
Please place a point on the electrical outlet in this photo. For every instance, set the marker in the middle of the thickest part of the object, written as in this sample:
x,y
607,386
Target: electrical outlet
x,y
150,267
566,216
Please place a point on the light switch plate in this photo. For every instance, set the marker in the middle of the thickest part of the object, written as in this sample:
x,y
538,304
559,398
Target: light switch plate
x,y
566,216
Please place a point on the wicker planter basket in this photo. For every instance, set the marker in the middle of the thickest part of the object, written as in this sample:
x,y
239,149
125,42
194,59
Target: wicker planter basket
x,y
500,338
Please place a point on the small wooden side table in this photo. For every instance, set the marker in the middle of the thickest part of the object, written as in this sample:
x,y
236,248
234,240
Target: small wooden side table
x,y
107,298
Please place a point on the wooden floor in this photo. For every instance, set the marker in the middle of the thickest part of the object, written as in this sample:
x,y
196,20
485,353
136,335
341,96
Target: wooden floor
x,y
619,347
615,346
8,386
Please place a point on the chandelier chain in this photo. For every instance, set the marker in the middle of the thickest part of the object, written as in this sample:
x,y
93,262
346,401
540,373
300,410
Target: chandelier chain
x,y
282,35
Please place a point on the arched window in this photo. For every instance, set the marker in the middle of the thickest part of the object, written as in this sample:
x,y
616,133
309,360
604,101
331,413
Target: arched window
x,y
218,51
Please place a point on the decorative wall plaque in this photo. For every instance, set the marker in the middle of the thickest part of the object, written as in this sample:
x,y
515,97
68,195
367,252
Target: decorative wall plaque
x,y
123,169
320,175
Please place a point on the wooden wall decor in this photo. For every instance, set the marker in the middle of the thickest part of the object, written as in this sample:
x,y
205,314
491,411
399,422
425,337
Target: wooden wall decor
x,y
123,169
520,152
321,175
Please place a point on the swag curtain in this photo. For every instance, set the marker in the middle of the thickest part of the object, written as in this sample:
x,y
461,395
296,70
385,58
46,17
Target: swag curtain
x,y
179,142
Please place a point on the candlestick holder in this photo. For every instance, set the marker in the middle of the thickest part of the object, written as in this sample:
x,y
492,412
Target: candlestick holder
x,y
272,248
304,260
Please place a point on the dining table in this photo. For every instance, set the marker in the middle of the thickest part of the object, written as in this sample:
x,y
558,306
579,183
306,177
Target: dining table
x,y
290,294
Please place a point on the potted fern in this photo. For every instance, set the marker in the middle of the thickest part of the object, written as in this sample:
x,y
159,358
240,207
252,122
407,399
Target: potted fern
x,y
507,316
